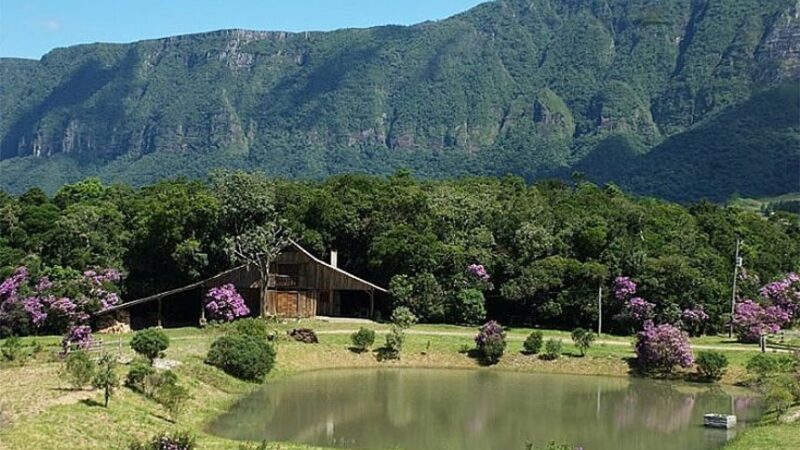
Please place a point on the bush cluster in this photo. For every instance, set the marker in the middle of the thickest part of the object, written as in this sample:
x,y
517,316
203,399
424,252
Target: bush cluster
x,y
150,343
552,349
79,369
583,339
711,365
363,339
166,441
533,343
251,326
242,356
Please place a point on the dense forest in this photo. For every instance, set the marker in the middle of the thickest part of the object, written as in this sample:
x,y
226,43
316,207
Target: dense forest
x,y
540,252
680,99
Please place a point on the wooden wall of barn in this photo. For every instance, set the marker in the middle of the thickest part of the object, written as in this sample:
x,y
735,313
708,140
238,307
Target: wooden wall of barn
x,y
292,303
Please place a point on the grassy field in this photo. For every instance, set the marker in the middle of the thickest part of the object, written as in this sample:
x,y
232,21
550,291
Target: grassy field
x,y
40,411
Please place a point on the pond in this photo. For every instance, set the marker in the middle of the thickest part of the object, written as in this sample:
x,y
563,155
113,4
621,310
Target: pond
x,y
430,409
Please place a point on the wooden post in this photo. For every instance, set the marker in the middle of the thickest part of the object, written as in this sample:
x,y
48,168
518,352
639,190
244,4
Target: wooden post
x,y
202,307
159,313
600,310
371,303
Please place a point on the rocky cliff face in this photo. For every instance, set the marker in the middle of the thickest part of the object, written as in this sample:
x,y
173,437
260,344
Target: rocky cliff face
x,y
778,55
539,81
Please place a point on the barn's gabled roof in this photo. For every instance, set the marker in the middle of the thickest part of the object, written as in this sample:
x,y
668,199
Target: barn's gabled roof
x,y
329,266
210,281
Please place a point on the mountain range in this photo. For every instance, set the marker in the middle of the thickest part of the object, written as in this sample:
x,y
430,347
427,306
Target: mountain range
x,y
680,99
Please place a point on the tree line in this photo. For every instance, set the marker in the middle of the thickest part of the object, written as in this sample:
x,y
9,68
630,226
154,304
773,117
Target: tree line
x,y
456,251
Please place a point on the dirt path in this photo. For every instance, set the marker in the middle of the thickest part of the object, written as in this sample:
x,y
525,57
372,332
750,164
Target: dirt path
x,y
511,337
516,337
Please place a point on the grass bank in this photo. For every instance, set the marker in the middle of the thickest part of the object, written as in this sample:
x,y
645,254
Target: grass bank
x,y
40,411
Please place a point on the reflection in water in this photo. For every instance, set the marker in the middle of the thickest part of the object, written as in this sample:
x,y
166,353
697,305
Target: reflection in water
x,y
439,409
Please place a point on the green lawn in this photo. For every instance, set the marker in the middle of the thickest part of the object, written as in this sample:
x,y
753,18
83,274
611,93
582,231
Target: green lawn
x,y
40,411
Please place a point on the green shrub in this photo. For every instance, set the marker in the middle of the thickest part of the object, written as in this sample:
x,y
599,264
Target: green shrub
x,y
583,339
79,369
105,377
403,317
469,307
394,342
363,338
150,343
137,374
711,365
778,398
242,356
251,326
533,343
173,398
552,349
13,351
172,441
765,365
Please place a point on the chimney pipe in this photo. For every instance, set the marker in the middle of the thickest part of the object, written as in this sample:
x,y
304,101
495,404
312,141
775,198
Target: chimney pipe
x,y
334,258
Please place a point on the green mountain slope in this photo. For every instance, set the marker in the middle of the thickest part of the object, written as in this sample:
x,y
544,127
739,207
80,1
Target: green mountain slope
x,y
531,87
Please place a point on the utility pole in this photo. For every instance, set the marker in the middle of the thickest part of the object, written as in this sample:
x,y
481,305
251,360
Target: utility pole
x,y
600,310
737,262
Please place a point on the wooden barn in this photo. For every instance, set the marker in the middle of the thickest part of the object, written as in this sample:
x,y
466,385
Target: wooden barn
x,y
300,285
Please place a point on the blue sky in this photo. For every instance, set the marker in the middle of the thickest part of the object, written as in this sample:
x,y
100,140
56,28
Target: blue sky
x,y
31,28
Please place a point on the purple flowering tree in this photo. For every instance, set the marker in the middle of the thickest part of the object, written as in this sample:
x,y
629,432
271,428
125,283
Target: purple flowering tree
x,y
662,348
624,288
478,271
784,293
28,306
694,320
751,320
78,336
640,310
224,303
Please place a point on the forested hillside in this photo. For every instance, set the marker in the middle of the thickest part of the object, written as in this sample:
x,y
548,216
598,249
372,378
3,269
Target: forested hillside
x,y
678,98
546,248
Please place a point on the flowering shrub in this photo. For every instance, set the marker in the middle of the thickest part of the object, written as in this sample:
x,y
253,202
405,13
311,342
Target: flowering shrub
x,y
751,320
478,271
54,305
78,336
225,303
166,441
694,320
661,348
784,293
491,342
624,287
640,309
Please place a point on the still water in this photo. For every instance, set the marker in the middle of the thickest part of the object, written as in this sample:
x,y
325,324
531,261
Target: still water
x,y
422,409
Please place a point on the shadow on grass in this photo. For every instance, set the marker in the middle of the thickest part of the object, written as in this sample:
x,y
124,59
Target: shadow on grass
x,y
572,355
68,389
477,356
91,403
357,350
